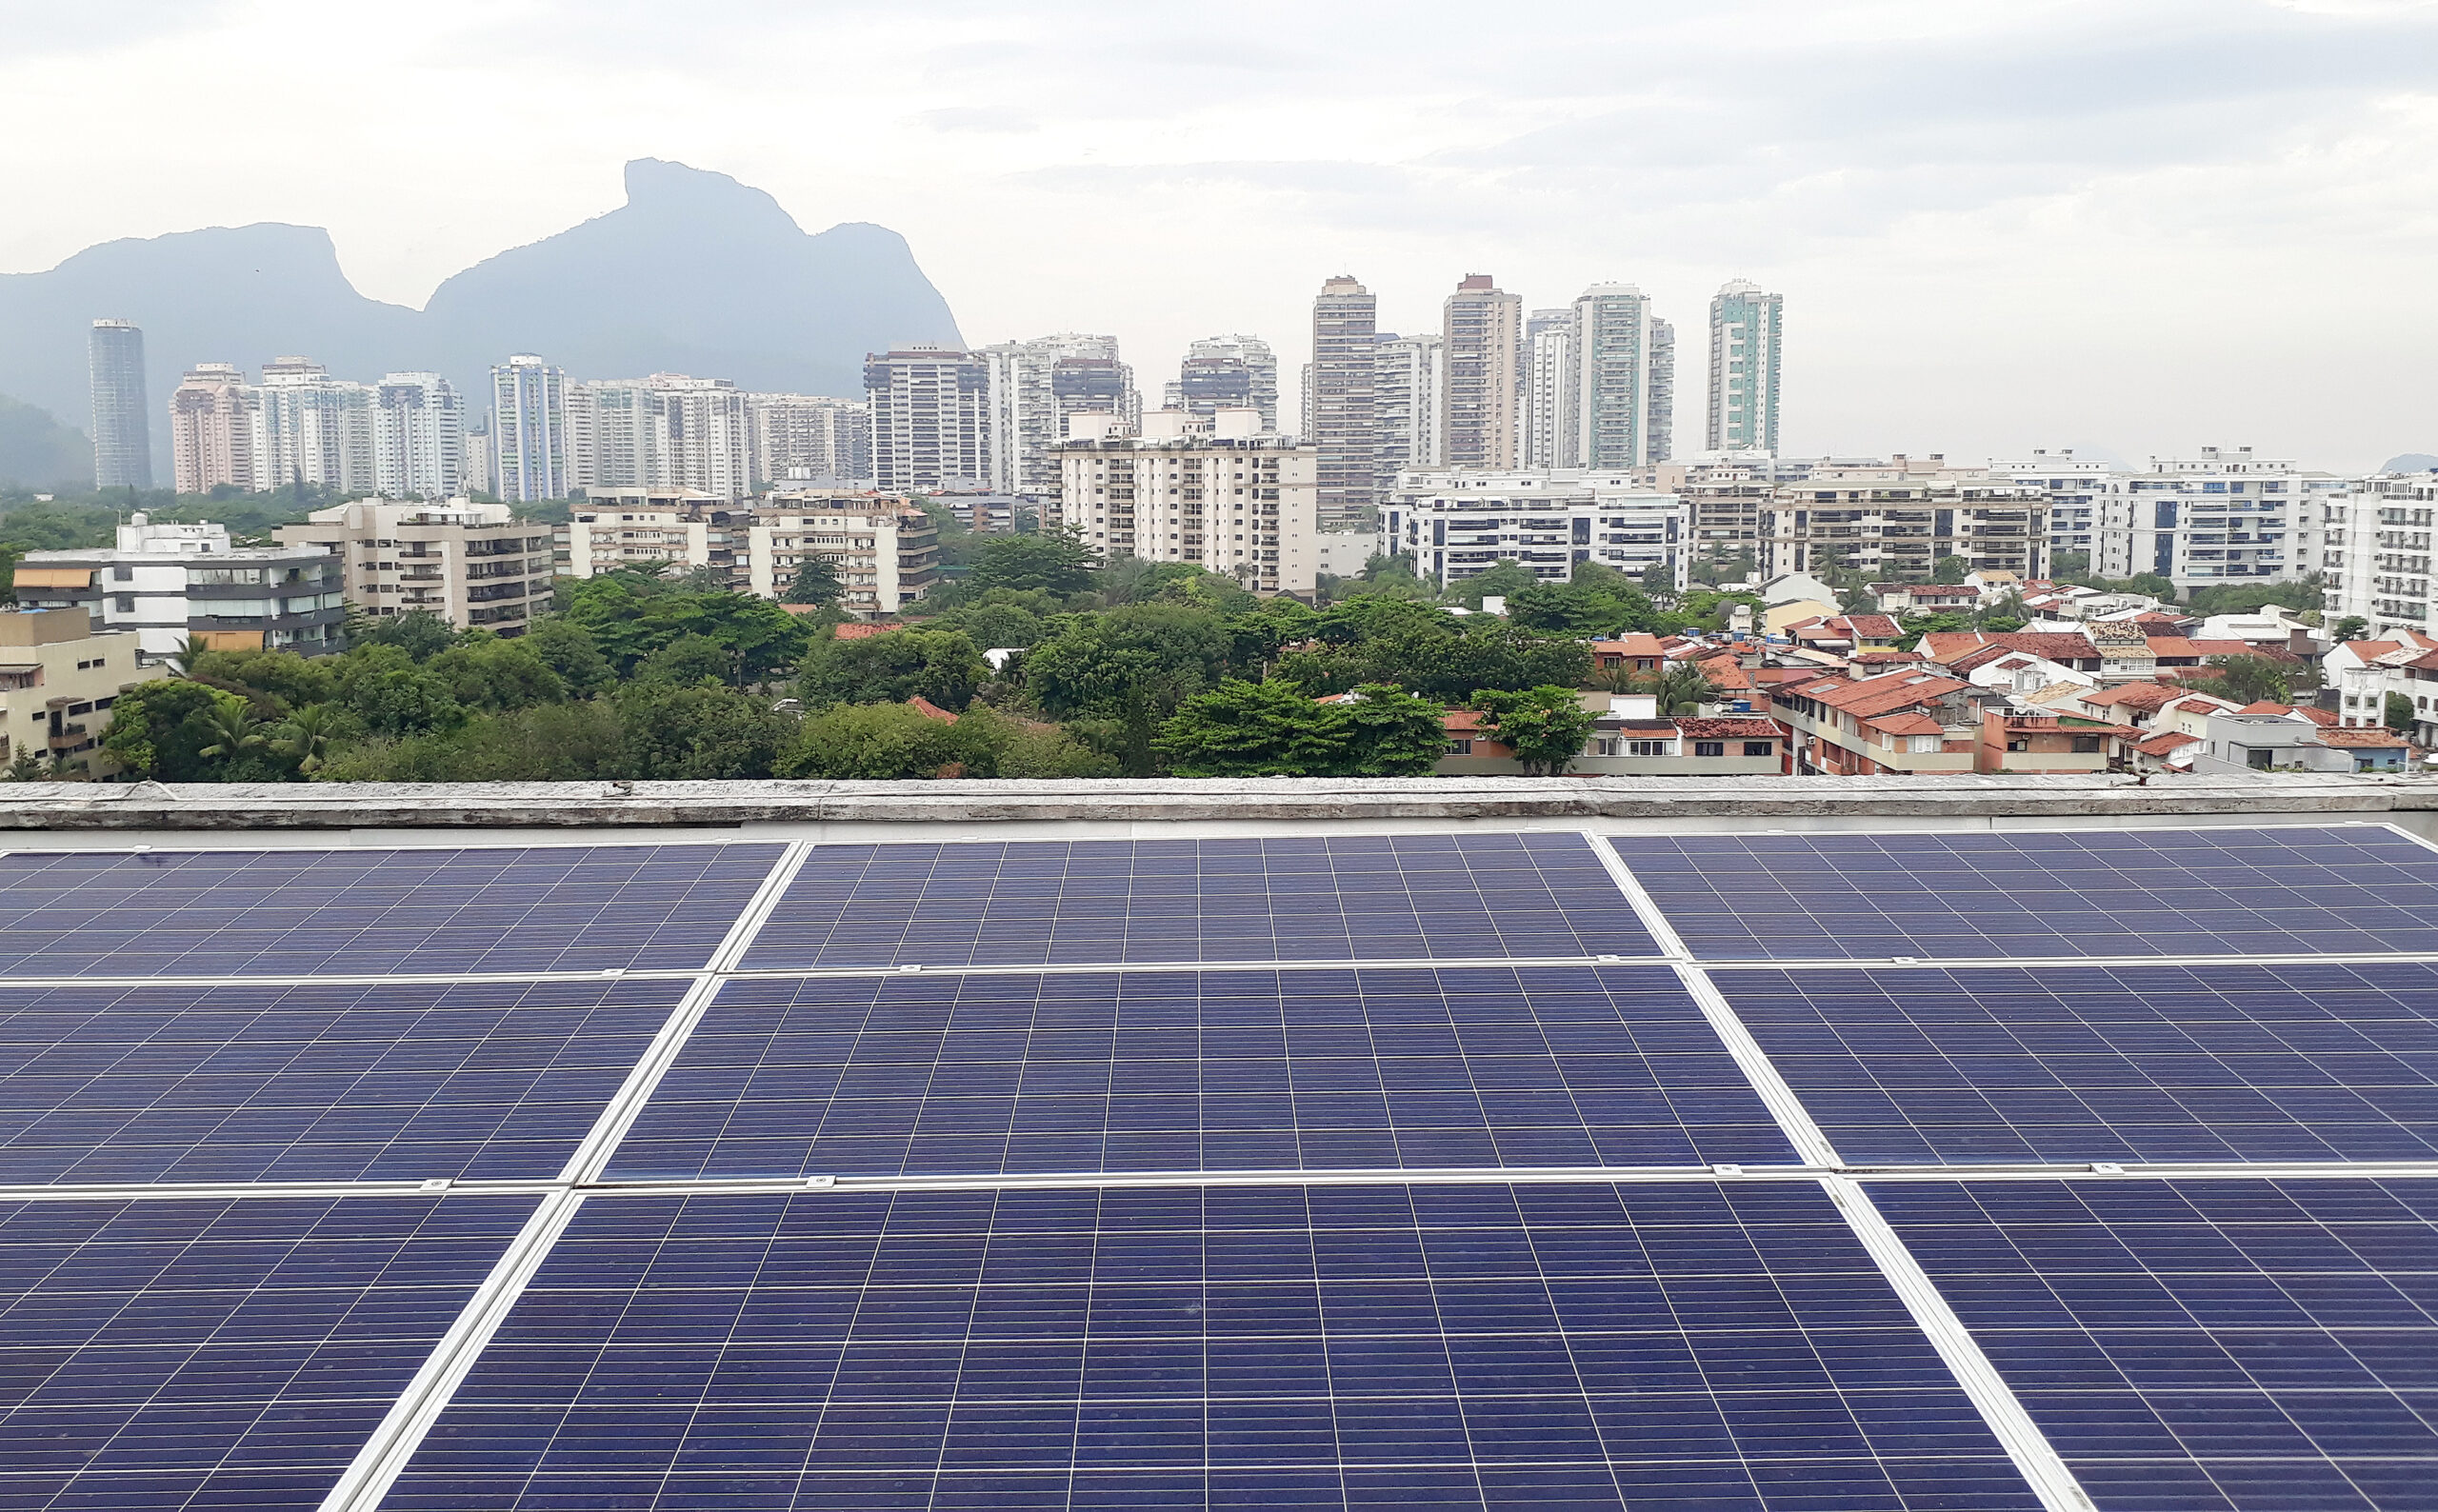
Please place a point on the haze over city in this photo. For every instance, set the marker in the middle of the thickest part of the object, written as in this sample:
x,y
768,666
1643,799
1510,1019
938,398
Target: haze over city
x,y
2128,228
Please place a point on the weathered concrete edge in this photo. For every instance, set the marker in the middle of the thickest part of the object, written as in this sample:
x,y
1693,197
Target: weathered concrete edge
x,y
375,805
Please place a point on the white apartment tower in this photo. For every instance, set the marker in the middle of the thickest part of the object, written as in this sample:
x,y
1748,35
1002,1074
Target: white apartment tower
x,y
1479,417
666,431
1406,378
418,437
1549,389
314,429
1624,379
930,418
1226,372
1744,324
122,416
806,437
1341,400
1218,492
2221,517
528,430
1033,386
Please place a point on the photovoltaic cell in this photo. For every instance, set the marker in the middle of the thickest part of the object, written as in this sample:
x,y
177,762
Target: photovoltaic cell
x,y
1050,903
1664,1349
1379,1067
312,1082
346,911
2176,892
230,1354
2205,1346
2322,1063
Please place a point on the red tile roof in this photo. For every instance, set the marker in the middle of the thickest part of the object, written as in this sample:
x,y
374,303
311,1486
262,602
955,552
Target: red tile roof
x,y
2377,738
1881,695
2057,645
1876,627
859,630
930,711
2168,743
2317,716
1722,728
1635,644
1906,723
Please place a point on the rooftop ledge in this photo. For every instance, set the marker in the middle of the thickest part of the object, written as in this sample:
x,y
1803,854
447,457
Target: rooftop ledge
x,y
1117,807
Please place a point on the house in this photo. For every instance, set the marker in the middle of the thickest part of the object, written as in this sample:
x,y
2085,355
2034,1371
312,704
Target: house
x,y
2359,675
1630,744
2268,738
1637,652
1898,723
2421,687
2373,750
2016,739
2167,752
1799,588
1848,632
1992,584
1925,598
2074,651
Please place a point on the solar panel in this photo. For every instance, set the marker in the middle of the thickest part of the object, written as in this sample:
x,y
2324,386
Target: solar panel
x,y
233,1354
2108,1063
312,1082
1462,1347
2208,1346
2176,892
1231,1071
1054,902
347,911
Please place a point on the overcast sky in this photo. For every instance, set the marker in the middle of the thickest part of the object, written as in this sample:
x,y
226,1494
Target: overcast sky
x,y
2133,224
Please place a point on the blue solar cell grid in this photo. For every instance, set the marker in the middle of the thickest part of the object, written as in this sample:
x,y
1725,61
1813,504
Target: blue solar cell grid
x,y
2205,1346
313,1082
2237,1062
1664,1349
368,912
2136,892
229,1354
1404,1067
1382,897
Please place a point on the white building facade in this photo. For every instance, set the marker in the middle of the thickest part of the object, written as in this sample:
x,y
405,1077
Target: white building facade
x,y
883,548
1745,325
1456,524
475,565
2221,517
2375,540
418,437
1220,493
804,437
2075,486
931,419
1033,386
528,430
180,584
1405,401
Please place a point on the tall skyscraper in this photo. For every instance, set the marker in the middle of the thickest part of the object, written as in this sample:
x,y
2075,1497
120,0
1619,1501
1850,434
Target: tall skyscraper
x,y
1549,388
529,430
1343,398
930,418
1226,372
1659,444
211,429
808,438
313,429
1622,353
418,437
1745,325
666,431
122,416
1033,386
1479,418
1405,399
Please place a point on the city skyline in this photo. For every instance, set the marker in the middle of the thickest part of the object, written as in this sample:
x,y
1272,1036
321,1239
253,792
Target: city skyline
x,y
2002,224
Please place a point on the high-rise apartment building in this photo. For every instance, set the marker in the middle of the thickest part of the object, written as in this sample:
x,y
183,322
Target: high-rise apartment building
x,y
122,416
1480,420
475,565
807,437
418,437
1550,383
2075,486
185,584
930,418
1341,397
884,548
2376,537
1745,327
481,462
666,431
2221,517
211,429
313,429
1898,519
1033,386
1624,379
528,430
1226,372
1218,492
1405,389
1457,524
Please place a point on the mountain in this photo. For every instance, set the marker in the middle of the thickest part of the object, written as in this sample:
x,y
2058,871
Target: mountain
x,y
2410,462
695,273
36,450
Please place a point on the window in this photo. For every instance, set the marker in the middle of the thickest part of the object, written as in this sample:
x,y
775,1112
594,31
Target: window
x,y
2256,759
1646,748
2086,745
2018,745
1460,747
1760,747
1710,748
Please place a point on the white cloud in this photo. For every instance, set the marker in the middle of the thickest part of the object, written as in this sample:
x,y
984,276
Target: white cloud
x,y
1998,224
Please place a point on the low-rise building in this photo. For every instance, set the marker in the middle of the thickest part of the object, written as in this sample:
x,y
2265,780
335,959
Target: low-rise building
x,y
2361,675
1895,723
883,546
2265,737
1901,519
58,678
634,528
1632,743
1217,493
176,585
1456,524
475,565
2020,739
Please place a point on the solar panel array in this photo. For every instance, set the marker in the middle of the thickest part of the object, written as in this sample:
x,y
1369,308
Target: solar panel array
x,y
1457,1170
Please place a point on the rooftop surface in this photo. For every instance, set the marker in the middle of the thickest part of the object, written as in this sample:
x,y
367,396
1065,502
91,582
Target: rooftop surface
x,y
816,1145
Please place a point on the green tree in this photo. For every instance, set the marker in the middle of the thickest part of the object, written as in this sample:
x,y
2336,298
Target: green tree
x,y
306,739
1504,578
1165,653
25,766
485,672
1595,602
870,741
282,677
420,633
689,659
1949,569
1547,728
685,732
1681,687
1248,729
1389,732
941,665
2399,713
574,742
2066,566
2352,627
1056,560
816,581
2247,679
383,687
569,650
232,729
156,729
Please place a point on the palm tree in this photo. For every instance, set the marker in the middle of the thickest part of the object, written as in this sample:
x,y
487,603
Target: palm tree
x,y
232,728
305,738
23,767
182,659
1683,688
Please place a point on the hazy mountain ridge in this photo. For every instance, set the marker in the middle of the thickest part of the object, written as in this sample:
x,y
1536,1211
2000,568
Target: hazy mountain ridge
x,y
695,273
